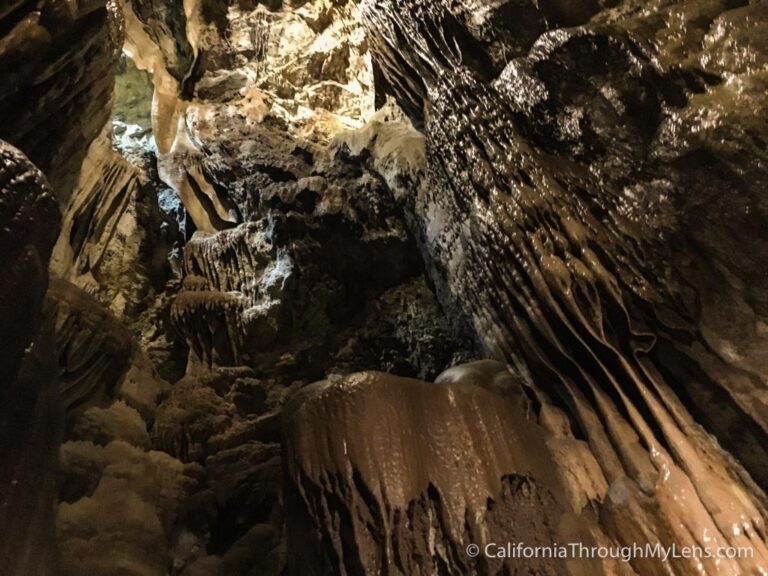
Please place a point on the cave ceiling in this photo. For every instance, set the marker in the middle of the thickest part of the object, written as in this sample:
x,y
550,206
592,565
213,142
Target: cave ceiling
x,y
383,287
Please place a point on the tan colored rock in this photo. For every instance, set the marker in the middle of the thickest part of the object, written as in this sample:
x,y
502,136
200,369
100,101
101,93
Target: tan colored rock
x,y
53,101
305,65
117,422
414,473
124,522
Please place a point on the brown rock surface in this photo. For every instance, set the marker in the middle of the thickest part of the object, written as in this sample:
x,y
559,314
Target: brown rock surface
x,y
399,476
29,410
57,61
573,188
561,215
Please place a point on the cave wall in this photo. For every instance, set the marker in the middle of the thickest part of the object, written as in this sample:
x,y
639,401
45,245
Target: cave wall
x,y
56,64
563,218
296,263
57,61
30,425
301,222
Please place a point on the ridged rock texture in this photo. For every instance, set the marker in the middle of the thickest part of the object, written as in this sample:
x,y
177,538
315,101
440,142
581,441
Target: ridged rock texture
x,y
56,59
341,287
452,462
573,215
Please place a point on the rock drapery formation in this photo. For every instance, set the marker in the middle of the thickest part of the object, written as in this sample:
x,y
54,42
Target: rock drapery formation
x,y
452,462
57,64
346,287
531,216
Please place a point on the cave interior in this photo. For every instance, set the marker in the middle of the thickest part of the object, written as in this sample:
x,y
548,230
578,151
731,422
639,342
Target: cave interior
x,y
384,287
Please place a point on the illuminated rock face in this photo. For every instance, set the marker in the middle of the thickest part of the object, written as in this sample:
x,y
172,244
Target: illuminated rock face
x,y
220,67
57,63
391,475
562,215
573,191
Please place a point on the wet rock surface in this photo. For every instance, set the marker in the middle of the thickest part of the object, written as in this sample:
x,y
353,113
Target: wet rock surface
x,y
279,261
561,234
452,463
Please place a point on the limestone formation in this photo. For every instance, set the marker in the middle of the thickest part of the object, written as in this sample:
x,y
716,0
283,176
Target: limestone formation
x,y
56,59
305,65
346,287
115,242
29,410
450,465
555,214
